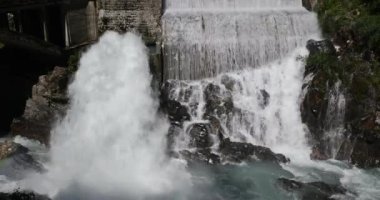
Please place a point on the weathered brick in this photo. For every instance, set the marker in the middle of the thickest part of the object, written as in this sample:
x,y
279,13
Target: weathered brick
x,y
127,15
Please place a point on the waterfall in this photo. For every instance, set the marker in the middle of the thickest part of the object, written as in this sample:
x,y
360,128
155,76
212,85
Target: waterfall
x,y
204,38
265,105
334,123
110,144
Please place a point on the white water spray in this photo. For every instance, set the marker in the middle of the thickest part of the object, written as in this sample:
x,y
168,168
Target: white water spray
x,y
111,142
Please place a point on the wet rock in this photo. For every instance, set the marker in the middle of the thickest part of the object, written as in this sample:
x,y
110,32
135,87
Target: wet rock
x,y
176,111
218,102
49,101
22,195
317,154
230,83
200,135
309,4
239,152
323,46
289,184
9,149
265,98
366,151
15,160
311,191
204,156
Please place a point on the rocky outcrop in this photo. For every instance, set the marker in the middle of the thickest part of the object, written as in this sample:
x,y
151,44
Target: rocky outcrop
x,y
48,102
238,152
358,82
15,160
206,141
9,149
311,191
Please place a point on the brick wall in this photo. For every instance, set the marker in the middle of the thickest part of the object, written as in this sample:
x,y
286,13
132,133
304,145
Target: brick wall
x,y
125,15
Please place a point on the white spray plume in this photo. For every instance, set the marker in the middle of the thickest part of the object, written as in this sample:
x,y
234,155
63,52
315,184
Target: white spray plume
x,y
111,141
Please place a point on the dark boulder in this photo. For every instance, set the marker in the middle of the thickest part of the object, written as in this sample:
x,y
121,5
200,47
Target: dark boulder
x,y
200,135
239,152
323,46
312,190
265,98
218,102
177,113
203,156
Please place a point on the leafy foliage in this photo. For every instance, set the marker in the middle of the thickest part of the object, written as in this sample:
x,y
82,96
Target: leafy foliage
x,y
357,20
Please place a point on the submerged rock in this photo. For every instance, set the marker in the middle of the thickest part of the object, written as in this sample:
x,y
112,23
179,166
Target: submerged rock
x,y
312,190
239,152
49,101
204,156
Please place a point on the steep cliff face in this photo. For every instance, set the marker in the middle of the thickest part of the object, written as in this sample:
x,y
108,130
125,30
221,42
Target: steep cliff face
x,y
127,15
348,78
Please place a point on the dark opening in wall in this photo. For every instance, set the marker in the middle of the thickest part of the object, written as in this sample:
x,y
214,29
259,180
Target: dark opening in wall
x,y
32,23
55,25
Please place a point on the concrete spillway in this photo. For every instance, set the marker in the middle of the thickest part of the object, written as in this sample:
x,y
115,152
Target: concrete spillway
x,y
203,38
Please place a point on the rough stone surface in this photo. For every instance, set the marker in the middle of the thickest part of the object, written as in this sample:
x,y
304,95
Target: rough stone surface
x,y
311,191
200,135
218,102
126,15
361,137
8,149
204,156
48,102
239,152
324,46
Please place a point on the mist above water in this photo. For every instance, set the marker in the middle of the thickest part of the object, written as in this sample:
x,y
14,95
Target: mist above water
x,y
111,143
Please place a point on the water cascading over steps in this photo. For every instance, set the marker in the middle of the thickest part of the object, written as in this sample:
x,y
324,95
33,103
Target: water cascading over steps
x,y
248,51
203,38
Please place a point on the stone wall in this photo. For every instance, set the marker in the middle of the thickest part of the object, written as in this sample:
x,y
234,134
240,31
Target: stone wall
x,y
126,15
82,24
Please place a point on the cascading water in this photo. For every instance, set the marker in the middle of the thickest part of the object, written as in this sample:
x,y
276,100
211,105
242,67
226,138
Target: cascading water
x,y
265,105
334,123
111,144
205,38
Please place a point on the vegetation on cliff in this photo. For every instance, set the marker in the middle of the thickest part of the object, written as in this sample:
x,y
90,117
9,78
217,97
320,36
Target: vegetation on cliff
x,y
354,28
